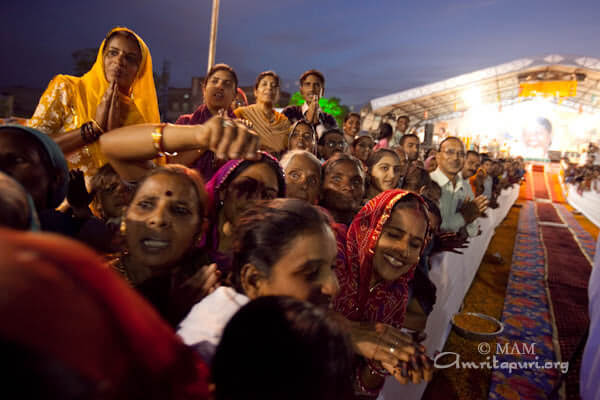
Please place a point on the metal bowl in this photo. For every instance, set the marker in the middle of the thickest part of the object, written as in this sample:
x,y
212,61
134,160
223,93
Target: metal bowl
x,y
474,334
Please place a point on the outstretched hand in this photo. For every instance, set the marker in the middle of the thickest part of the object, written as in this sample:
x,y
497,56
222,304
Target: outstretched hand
x,y
228,139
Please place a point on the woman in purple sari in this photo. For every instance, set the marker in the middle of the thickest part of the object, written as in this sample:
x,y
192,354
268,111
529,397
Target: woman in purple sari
x,y
232,190
218,90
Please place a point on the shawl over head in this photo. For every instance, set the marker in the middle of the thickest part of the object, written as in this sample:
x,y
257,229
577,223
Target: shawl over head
x,y
56,157
312,128
93,84
386,302
219,182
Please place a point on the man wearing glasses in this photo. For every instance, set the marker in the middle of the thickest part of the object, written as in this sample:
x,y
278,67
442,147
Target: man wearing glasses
x,y
330,143
458,207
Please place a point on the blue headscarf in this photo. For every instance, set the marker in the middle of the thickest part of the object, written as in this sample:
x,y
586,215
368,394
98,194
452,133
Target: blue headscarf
x,y
56,157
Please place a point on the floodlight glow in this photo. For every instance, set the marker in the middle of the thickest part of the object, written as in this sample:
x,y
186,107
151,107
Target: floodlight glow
x,y
472,97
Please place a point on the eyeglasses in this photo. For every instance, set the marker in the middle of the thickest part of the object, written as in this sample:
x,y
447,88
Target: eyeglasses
x,y
339,145
452,153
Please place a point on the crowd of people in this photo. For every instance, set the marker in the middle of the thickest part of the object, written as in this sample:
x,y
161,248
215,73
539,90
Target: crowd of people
x,y
585,175
239,253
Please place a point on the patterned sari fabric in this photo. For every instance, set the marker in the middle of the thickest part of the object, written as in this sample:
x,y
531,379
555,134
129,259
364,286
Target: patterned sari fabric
x,y
385,302
219,183
70,101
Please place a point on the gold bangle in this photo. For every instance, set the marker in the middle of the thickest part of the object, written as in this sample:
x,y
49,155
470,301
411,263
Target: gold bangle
x,y
157,141
93,121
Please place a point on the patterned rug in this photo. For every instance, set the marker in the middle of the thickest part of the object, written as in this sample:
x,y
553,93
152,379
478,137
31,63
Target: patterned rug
x,y
527,321
540,189
586,241
547,213
568,272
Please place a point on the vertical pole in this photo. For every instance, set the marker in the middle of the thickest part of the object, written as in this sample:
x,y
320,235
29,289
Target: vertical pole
x,y
213,34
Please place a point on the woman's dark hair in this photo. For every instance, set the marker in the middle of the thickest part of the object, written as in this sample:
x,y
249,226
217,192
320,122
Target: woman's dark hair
x,y
124,34
193,177
378,154
428,153
266,230
433,208
341,157
264,74
412,202
221,67
421,175
327,133
278,347
375,157
430,187
385,131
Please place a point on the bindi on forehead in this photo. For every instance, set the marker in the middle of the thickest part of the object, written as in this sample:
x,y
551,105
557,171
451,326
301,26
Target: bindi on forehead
x,y
168,193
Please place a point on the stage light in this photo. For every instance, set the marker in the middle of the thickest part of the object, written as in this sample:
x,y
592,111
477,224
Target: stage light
x,y
472,97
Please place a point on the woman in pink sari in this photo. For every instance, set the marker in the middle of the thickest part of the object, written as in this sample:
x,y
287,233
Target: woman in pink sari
x,y
383,247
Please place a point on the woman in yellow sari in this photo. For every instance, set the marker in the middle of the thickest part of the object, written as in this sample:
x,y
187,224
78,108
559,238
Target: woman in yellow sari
x,y
272,127
118,91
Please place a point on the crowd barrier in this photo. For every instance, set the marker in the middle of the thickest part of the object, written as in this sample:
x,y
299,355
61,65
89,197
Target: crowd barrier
x,y
452,275
587,203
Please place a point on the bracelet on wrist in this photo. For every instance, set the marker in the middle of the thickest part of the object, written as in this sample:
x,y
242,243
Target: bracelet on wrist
x,y
157,141
88,133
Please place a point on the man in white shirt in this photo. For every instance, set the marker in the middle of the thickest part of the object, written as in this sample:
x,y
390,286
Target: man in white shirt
x,y
458,207
312,88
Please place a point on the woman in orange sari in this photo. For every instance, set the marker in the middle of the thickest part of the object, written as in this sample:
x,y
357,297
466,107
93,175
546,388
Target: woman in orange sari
x,y
272,127
118,91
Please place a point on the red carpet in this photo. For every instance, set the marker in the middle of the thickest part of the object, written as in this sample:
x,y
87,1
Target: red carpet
x,y
547,213
539,185
568,272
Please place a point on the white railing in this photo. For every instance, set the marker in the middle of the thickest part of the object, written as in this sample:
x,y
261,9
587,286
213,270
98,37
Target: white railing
x,y
587,203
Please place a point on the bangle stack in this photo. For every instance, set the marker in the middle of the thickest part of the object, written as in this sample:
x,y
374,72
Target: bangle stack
x,y
90,132
157,141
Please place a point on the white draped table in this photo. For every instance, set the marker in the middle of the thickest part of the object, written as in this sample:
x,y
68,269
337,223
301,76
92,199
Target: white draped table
x,y
588,203
452,275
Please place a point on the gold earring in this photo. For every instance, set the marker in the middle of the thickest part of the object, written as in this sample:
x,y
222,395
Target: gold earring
x,y
123,227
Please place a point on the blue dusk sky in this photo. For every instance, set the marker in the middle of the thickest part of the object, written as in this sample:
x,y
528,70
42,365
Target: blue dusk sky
x,y
365,48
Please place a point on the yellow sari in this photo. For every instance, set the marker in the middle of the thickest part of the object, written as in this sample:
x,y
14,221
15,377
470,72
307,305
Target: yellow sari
x,y
70,101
